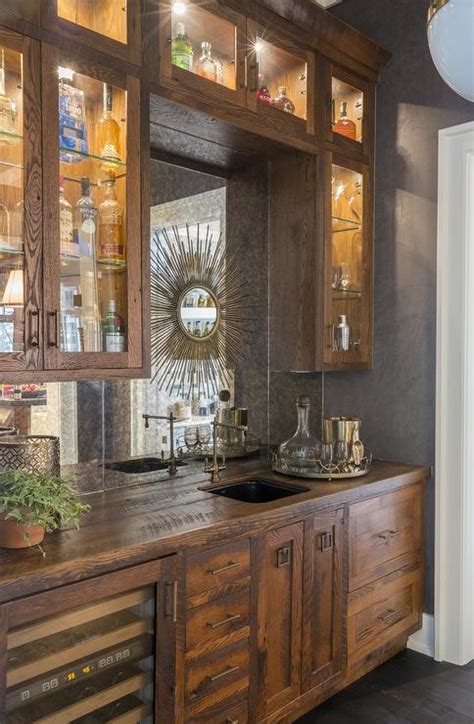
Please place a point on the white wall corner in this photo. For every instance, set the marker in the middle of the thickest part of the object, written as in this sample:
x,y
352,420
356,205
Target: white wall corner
x,y
423,641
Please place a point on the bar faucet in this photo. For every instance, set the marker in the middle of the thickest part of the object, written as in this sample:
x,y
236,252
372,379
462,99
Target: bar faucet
x,y
171,419
215,469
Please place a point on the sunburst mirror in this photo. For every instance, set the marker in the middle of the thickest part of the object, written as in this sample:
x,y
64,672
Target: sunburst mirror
x,y
196,310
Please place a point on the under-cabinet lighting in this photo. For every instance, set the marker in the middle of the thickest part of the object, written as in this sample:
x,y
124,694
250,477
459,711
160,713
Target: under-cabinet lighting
x,y
258,46
179,8
66,73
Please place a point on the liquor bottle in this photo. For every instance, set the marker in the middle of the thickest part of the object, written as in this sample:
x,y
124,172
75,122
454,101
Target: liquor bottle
x,y
202,301
181,50
72,118
206,66
111,249
207,329
109,130
282,102
263,94
342,335
113,328
8,113
68,245
344,126
198,329
85,235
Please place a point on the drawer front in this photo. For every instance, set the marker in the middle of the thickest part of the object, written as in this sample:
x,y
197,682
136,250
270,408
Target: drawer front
x,y
385,534
217,677
218,620
211,569
384,610
229,713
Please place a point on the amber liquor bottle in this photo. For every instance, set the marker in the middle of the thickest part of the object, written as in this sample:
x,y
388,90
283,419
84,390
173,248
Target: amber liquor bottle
x,y
109,131
344,126
111,240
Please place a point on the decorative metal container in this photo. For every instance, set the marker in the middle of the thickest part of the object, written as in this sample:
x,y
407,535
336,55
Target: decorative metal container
x,y
32,453
341,429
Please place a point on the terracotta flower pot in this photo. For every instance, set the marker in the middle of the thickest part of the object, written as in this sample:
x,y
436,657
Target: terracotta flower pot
x,y
12,534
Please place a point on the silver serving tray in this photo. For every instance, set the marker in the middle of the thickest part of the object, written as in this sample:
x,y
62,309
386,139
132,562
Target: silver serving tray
x,y
299,473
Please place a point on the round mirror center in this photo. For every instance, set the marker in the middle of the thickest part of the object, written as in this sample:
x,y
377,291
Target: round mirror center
x,y
199,313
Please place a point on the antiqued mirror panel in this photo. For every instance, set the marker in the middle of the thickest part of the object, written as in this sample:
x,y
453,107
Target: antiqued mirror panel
x,y
12,253
281,78
347,263
203,43
107,17
92,188
348,110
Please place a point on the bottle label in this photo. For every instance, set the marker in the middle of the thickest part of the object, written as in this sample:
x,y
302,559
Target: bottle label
x,y
183,60
114,342
109,251
65,221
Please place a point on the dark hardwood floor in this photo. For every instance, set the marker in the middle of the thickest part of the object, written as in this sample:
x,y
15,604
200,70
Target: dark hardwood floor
x,y
409,688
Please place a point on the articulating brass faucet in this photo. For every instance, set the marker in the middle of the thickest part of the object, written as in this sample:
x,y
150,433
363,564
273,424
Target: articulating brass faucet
x,y
171,419
215,469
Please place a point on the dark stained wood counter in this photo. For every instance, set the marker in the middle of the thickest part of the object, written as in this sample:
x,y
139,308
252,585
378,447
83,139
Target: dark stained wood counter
x,y
139,523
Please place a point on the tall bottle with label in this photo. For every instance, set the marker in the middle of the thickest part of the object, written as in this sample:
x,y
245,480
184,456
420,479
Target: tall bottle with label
x,y
85,235
109,130
72,118
181,49
113,328
111,241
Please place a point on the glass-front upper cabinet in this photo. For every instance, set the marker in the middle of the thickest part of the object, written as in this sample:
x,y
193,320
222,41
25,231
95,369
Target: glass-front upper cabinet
x,y
351,112
348,290
89,653
112,26
93,240
202,46
20,203
280,78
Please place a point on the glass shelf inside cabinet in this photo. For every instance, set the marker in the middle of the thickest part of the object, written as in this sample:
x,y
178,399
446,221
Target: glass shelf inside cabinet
x,y
93,663
203,43
282,79
92,196
107,17
347,260
12,258
348,110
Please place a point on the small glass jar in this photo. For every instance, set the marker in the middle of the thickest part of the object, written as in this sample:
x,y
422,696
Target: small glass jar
x,y
302,450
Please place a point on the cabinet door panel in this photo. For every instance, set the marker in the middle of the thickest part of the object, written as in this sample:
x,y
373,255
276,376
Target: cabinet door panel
x,y
324,605
280,556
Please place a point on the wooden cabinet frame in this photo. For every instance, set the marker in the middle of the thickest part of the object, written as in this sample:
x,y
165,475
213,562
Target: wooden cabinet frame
x,y
170,74
162,573
55,359
129,52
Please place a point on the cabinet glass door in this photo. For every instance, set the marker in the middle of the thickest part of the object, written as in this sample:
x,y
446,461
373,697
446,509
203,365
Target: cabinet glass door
x,y
107,17
281,78
349,285
20,223
96,226
202,47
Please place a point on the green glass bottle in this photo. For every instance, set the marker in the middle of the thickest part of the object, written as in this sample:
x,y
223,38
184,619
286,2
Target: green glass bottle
x,y
181,50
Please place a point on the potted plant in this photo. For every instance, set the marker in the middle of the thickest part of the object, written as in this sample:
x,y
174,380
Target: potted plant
x,y
32,504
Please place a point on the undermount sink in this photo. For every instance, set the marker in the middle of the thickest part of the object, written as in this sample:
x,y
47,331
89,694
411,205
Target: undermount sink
x,y
257,491
141,465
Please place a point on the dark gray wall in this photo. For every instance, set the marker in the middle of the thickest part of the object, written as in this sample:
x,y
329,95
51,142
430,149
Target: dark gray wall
x,y
397,398
168,183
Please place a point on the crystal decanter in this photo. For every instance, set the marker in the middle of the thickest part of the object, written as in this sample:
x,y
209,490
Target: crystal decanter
x,y
302,450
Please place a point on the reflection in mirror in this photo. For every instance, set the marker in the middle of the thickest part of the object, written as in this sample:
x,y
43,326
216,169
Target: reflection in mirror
x,y
199,313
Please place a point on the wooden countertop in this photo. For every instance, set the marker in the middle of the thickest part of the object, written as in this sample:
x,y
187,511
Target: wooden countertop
x,y
139,523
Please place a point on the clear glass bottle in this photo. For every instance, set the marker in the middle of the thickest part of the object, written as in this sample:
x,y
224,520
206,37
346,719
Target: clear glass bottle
x,y
342,335
344,126
181,49
69,246
206,66
113,328
109,130
282,102
85,235
301,450
8,112
72,118
111,248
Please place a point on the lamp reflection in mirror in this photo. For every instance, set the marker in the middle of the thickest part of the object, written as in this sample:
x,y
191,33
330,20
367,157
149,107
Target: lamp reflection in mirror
x,y
13,295
451,41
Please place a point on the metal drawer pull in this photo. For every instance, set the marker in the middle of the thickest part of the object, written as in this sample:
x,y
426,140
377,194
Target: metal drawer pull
x,y
228,567
34,338
327,541
283,557
388,534
230,670
389,615
231,617
53,329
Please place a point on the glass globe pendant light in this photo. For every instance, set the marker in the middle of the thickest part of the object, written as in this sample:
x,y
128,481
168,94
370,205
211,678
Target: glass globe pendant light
x,y
451,41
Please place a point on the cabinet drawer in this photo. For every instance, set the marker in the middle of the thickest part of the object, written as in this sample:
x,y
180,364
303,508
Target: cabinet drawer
x,y
383,610
220,619
385,534
214,678
230,713
211,569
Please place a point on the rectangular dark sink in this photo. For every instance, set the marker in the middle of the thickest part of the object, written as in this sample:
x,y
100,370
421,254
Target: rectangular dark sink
x,y
257,491
141,465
